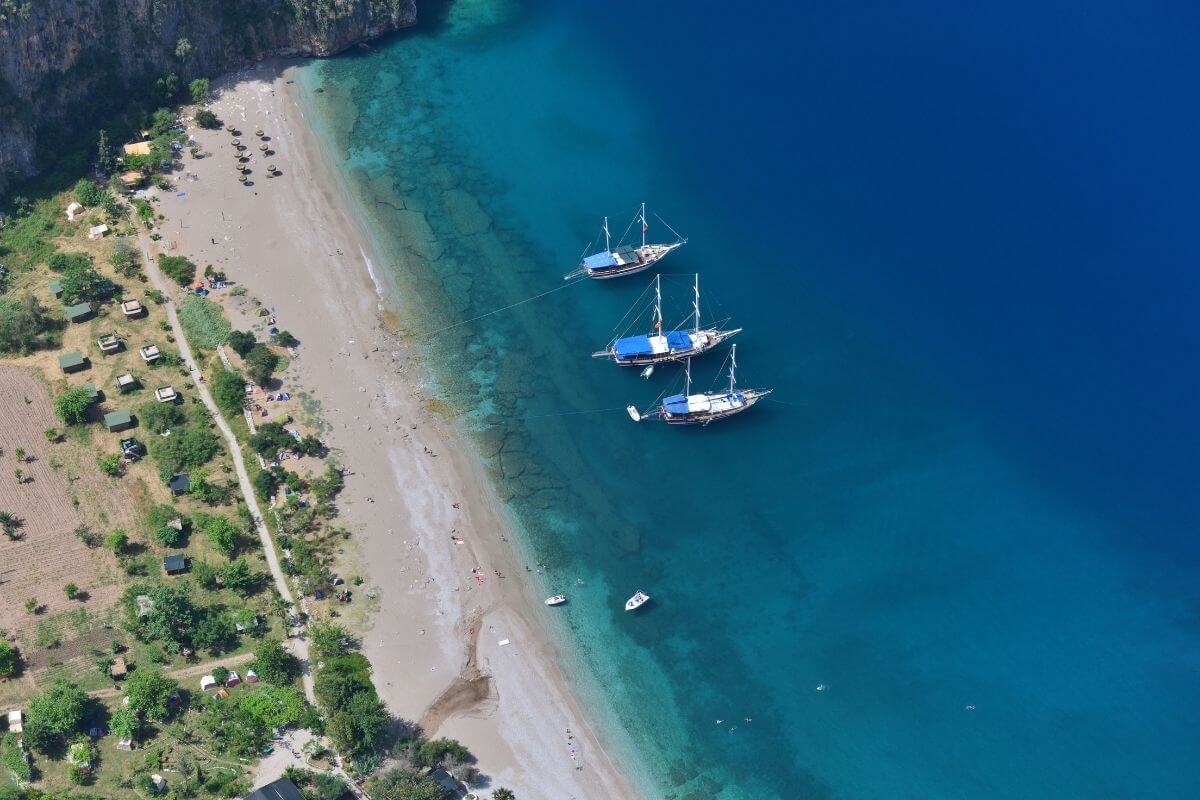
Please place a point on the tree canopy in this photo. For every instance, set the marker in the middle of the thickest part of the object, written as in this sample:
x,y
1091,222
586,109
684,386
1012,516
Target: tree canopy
x,y
400,784
72,405
178,268
23,324
229,389
55,714
8,659
274,664
149,692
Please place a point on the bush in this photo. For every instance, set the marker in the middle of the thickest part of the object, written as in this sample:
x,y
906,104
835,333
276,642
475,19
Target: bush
x,y
65,262
221,532
160,417
81,282
87,193
117,541
401,784
265,484
8,659
72,406
110,465
178,268
229,390
207,119
270,439
14,759
285,339
203,323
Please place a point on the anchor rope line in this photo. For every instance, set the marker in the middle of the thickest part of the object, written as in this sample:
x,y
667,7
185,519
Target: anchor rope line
x,y
505,308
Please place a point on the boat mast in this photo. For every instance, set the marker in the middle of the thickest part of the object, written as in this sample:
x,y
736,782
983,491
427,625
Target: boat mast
x,y
732,366
687,377
696,303
643,216
607,238
658,317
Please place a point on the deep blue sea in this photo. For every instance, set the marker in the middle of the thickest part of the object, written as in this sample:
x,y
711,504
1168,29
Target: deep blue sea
x,y
962,240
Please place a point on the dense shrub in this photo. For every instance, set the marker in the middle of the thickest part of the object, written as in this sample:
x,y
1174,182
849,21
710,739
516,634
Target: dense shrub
x,y
87,193
242,342
229,390
72,405
23,324
178,268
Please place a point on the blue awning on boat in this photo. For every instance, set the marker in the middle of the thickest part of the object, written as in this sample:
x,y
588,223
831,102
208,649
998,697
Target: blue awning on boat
x,y
600,261
633,346
679,340
675,404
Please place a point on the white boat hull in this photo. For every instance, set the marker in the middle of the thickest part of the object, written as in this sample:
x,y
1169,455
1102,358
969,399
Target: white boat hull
x,y
638,600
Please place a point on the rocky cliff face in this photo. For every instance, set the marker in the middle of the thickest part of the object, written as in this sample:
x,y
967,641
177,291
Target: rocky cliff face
x,y
66,64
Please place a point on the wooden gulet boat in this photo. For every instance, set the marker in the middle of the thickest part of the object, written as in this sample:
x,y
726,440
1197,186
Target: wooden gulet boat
x,y
625,260
706,407
658,347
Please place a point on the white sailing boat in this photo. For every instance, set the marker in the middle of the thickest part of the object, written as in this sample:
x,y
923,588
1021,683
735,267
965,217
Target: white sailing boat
x,y
706,407
658,346
638,600
627,259
556,600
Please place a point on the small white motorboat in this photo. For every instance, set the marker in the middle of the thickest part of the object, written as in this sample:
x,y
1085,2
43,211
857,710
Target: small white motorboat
x,y
556,600
638,600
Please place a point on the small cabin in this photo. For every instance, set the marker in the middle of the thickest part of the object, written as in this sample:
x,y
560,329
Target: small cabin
x,y
108,343
118,670
126,383
72,361
132,179
179,484
16,721
79,312
166,394
118,420
233,680
73,211
251,676
208,682
150,353
98,232
132,307
175,564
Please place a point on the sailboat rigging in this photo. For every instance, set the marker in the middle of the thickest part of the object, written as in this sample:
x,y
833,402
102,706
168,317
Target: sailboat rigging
x,y
706,407
626,259
660,346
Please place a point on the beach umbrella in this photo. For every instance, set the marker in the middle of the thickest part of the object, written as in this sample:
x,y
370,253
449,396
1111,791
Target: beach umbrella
x,y
229,128
258,132
262,147
271,168
236,143
242,178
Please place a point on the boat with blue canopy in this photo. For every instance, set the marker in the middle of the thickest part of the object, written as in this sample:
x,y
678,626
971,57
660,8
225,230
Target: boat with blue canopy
x,y
625,259
705,407
660,346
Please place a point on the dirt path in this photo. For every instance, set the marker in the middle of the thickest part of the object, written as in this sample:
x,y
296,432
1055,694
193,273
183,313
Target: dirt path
x,y
299,645
191,670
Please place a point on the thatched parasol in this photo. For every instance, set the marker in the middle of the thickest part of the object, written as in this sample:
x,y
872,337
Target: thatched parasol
x,y
242,178
258,132
237,143
270,169
230,128
263,147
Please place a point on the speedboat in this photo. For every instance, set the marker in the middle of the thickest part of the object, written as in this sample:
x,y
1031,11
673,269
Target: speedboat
x,y
556,600
638,600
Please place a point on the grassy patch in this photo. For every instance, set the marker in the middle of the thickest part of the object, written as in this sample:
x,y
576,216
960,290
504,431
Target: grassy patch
x,y
203,323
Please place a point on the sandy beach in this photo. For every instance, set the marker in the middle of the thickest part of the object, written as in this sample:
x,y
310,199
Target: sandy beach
x,y
441,608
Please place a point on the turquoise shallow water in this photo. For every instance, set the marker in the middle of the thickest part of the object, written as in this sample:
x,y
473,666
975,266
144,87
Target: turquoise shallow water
x,y
972,516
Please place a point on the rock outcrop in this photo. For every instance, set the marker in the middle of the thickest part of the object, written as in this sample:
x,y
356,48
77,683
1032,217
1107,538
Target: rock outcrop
x,y
66,64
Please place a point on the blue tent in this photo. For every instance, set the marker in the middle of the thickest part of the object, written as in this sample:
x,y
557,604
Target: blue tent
x,y
633,346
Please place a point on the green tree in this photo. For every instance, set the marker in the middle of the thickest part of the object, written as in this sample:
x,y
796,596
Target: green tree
x,y
503,794
207,119
125,259
260,364
8,659
285,339
23,324
401,784
183,51
104,156
199,89
327,786
168,536
228,389
160,417
124,723
178,268
55,714
71,591
117,541
327,639
222,533
274,664
242,342
265,484
360,729
220,675
172,618
72,406
81,282
87,193
149,691
215,631
270,439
